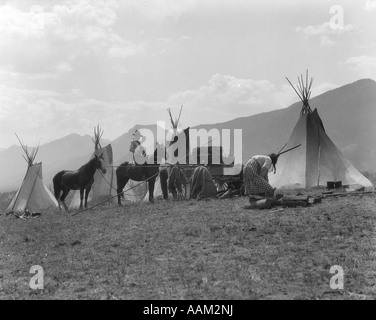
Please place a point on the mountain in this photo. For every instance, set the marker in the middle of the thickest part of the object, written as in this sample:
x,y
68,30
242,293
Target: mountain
x,y
348,114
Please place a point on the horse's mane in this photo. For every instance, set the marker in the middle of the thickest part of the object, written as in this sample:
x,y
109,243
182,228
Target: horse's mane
x,y
124,164
87,164
177,173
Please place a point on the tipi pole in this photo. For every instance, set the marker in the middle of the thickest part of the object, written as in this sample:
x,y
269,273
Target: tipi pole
x,y
295,89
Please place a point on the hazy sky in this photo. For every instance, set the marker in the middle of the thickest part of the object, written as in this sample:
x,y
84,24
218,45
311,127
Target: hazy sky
x,y
66,66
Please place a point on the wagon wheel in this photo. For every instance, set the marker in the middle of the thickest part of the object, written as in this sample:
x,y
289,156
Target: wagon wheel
x,y
221,185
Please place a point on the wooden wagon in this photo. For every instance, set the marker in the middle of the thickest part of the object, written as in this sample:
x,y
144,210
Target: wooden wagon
x,y
226,175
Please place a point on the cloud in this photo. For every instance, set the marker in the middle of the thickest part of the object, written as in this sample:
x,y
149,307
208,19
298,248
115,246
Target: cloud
x,y
325,32
225,97
322,88
370,5
364,65
323,29
159,10
48,115
123,49
326,41
58,34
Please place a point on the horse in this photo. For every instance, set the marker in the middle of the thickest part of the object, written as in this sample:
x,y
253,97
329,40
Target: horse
x,y
81,179
148,171
176,182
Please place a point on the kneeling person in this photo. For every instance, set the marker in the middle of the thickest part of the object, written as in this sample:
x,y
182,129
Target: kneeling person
x,y
255,175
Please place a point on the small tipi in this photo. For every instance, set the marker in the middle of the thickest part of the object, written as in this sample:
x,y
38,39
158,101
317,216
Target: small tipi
x,y
318,160
102,187
33,195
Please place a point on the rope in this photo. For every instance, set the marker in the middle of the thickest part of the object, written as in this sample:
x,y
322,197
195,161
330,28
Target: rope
x,y
96,205
104,177
141,166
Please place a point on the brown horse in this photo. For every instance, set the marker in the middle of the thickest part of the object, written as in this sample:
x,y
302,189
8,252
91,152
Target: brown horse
x,y
81,179
141,172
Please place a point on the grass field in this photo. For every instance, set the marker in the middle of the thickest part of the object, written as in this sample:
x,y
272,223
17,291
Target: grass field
x,y
211,249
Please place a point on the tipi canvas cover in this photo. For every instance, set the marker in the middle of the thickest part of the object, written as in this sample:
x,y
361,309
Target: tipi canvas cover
x,y
316,162
33,193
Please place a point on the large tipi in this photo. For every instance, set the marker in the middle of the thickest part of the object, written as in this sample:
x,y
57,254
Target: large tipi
x,y
33,195
102,188
317,160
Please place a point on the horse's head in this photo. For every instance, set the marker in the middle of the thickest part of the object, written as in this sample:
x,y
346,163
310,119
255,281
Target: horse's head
x,y
160,152
99,163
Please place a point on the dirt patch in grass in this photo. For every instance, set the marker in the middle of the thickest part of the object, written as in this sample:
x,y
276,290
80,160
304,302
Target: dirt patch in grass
x,y
193,250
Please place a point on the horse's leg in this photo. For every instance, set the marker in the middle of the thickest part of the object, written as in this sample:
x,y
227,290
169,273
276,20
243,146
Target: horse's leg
x,y
151,184
163,175
186,186
87,190
180,191
120,186
58,200
81,197
173,191
63,196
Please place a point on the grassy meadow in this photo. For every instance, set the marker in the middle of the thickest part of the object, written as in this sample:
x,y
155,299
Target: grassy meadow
x,y
212,249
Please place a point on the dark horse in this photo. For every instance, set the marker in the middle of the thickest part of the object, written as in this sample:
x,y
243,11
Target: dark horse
x,y
148,171
81,179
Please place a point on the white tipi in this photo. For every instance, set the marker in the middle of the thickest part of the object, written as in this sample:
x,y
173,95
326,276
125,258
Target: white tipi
x,y
318,160
33,195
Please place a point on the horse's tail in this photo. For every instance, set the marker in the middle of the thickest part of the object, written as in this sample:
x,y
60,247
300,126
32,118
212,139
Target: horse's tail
x,y
57,181
176,179
163,176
